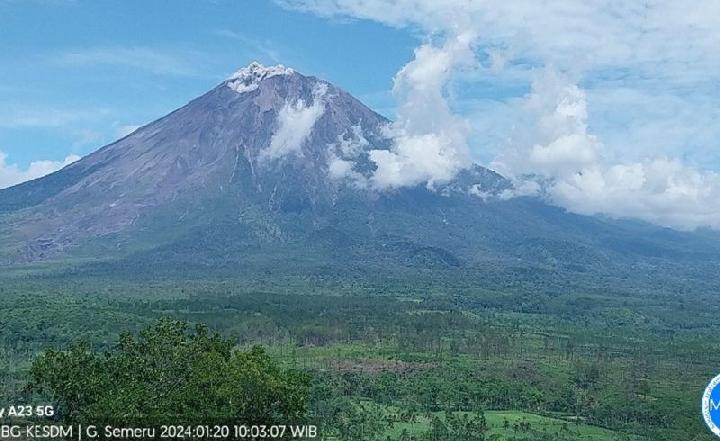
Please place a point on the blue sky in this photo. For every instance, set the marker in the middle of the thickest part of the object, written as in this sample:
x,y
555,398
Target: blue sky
x,y
604,107
74,75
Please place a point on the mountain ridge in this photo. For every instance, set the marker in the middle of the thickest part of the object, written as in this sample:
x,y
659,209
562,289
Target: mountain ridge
x,y
266,162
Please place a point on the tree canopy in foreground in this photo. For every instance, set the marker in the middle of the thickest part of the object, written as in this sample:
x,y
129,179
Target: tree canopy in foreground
x,y
172,373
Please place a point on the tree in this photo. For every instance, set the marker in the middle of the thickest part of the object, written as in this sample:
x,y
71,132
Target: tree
x,y
438,430
170,374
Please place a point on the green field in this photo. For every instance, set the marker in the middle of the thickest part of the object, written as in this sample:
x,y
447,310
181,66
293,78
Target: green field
x,y
512,424
571,366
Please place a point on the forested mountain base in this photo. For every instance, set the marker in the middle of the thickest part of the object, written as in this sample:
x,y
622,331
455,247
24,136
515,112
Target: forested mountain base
x,y
425,362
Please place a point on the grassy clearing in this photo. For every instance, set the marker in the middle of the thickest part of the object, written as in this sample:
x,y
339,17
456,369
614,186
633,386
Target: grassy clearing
x,y
513,425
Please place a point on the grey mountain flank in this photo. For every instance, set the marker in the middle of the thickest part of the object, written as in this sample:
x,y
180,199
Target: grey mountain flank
x,y
209,147
270,161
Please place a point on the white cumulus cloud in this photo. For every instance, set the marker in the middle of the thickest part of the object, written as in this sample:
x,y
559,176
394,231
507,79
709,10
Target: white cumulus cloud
x,y
342,157
554,140
571,168
643,72
662,191
295,123
11,174
430,142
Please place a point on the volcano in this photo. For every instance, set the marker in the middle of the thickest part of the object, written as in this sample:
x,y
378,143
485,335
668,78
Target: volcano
x,y
270,170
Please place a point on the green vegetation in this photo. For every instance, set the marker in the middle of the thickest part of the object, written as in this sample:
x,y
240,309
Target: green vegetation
x,y
170,375
503,425
414,362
